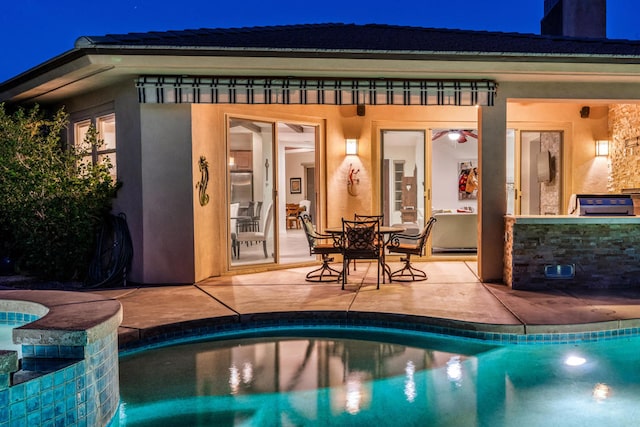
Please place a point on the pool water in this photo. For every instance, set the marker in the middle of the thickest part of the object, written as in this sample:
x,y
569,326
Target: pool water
x,y
362,377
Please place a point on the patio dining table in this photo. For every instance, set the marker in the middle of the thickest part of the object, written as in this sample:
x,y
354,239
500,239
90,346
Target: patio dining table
x,y
387,232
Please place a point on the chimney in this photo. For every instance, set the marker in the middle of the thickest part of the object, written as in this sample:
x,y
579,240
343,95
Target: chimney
x,y
575,18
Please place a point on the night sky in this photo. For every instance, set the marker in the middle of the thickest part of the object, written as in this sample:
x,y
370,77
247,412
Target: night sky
x,y
33,31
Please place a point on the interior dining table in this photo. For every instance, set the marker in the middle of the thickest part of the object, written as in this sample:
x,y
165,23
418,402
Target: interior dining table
x,y
387,232
241,221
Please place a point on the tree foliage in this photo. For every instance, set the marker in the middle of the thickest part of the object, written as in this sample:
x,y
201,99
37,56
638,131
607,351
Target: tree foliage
x,y
52,198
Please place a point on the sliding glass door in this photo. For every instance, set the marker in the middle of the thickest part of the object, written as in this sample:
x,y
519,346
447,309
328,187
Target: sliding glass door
x,y
251,192
271,171
403,185
297,189
455,179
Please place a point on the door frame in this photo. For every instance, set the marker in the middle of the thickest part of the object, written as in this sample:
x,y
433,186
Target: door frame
x,y
274,174
381,198
283,173
268,178
565,129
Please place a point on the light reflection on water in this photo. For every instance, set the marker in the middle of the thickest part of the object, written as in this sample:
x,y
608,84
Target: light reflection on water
x,y
434,381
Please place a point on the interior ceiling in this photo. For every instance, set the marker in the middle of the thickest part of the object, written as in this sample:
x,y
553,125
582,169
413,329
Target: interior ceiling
x,y
296,137
403,138
291,135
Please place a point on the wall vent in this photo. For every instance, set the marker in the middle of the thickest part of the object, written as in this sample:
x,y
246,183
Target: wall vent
x,y
560,271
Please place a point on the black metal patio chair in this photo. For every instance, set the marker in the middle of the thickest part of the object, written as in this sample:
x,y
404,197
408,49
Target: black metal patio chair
x,y
324,245
361,217
361,240
410,244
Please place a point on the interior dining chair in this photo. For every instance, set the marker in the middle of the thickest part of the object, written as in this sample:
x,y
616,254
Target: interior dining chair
x,y
256,216
305,206
410,244
360,217
233,213
324,245
292,209
258,236
360,240
246,222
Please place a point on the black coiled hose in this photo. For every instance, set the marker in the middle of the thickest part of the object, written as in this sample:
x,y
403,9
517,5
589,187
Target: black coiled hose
x,y
112,258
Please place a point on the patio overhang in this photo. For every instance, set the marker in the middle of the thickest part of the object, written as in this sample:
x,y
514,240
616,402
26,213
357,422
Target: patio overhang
x,y
317,91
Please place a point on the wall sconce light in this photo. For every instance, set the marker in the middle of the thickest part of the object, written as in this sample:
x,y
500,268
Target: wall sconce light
x,y
602,148
351,146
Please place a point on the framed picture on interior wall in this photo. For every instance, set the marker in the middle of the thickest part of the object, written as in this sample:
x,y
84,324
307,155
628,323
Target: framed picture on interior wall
x,y
295,185
468,179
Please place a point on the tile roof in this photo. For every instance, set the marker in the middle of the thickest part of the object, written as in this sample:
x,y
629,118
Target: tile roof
x,y
369,37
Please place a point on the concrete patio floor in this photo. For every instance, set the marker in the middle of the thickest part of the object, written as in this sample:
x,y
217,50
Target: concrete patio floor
x,y
452,296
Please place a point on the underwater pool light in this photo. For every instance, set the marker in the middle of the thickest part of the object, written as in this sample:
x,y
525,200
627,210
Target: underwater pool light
x,y
575,361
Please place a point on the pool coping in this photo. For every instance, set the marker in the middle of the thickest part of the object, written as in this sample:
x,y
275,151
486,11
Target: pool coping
x,y
503,334
75,317
67,318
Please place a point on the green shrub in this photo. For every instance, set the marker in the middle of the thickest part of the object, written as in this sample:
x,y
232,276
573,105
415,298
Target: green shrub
x,y
51,200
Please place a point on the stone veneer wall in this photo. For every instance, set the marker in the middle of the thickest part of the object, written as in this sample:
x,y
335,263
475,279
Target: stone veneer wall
x,y
507,269
624,169
605,255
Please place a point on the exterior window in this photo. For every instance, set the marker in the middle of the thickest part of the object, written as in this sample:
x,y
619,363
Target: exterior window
x,y
80,133
106,127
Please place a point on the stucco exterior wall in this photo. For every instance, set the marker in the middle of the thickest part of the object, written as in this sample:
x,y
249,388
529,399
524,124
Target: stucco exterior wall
x,y
168,193
209,220
123,100
492,197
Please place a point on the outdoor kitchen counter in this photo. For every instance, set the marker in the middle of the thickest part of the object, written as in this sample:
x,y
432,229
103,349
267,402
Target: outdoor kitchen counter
x,y
600,252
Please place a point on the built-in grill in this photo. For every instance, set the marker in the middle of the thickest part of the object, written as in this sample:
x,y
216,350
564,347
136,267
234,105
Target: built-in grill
x,y
604,204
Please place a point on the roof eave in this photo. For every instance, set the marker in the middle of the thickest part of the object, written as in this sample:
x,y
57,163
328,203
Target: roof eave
x,y
79,63
355,53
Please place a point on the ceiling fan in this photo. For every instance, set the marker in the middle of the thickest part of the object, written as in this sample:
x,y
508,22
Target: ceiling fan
x,y
459,135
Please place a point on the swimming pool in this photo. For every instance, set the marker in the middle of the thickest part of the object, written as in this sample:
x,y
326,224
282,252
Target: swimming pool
x,y
68,374
6,339
368,376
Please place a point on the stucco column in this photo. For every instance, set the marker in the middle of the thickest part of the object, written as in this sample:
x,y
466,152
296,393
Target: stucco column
x,y
492,196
